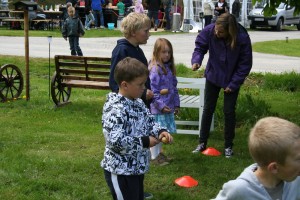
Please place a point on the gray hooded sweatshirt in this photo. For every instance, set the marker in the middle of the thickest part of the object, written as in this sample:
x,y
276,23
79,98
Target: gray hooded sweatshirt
x,y
247,187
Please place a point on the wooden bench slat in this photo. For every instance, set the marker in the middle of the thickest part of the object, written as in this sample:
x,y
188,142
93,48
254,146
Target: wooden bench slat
x,y
41,20
87,84
12,20
77,58
89,65
72,77
87,72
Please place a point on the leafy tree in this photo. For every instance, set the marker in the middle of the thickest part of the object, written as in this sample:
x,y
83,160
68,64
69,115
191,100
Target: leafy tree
x,y
271,5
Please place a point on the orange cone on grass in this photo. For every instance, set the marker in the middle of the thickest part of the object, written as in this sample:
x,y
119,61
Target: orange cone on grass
x,y
210,151
186,181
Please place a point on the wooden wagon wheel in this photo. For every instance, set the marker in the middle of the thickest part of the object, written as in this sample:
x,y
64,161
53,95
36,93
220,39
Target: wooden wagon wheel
x,y
60,93
11,82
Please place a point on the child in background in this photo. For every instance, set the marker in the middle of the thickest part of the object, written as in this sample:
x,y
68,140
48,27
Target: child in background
x,y
121,7
73,29
166,102
138,8
129,130
274,145
89,17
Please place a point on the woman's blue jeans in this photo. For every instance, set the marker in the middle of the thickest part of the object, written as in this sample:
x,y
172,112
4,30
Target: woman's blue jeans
x,y
210,101
154,15
98,14
88,20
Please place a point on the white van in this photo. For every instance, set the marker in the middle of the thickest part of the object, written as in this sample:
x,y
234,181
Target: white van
x,y
285,16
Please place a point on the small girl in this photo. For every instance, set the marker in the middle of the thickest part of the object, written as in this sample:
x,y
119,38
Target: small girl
x,y
165,103
139,8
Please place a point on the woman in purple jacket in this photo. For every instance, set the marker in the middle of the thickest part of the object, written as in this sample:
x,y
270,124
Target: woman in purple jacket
x,y
229,63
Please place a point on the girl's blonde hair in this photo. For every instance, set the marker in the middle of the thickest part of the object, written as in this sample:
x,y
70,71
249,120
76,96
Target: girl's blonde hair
x,y
134,22
156,55
271,139
230,25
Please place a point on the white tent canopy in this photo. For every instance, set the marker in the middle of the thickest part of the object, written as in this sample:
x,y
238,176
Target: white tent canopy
x,y
191,9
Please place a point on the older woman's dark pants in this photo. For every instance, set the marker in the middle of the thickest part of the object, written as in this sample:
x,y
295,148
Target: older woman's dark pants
x,y
210,100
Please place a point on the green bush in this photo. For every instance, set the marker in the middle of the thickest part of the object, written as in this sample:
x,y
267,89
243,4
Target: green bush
x,y
250,109
285,82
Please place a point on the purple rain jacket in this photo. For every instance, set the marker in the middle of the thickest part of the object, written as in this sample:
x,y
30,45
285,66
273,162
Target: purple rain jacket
x,y
226,67
160,81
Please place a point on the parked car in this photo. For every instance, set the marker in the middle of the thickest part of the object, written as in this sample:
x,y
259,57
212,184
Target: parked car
x,y
285,16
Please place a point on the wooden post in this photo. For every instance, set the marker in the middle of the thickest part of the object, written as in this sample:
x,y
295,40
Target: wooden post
x,y
26,6
26,24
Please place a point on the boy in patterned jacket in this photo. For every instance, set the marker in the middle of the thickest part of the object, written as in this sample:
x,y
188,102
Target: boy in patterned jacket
x,y
129,130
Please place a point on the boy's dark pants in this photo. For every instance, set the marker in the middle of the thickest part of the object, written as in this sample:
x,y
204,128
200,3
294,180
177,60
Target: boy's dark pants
x,y
74,46
210,100
129,187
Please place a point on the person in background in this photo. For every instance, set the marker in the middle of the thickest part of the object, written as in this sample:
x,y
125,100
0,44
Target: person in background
x,y
81,3
36,14
153,8
64,14
221,7
236,8
73,29
129,130
165,104
121,7
167,8
4,5
89,17
98,13
135,28
274,145
73,2
208,11
229,63
127,3
138,7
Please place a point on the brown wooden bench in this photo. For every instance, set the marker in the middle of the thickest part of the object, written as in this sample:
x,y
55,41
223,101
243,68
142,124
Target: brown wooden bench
x,y
46,21
78,72
9,21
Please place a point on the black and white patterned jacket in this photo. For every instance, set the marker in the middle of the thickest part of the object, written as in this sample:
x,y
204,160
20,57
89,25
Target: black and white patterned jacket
x,y
127,125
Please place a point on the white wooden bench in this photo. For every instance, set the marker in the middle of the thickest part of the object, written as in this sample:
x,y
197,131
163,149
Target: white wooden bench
x,y
192,101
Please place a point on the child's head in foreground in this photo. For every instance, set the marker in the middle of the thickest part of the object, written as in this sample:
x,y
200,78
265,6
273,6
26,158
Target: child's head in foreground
x,y
131,76
134,22
71,11
163,53
274,144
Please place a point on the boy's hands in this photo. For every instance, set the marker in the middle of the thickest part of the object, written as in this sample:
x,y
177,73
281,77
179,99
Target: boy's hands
x,y
153,141
166,137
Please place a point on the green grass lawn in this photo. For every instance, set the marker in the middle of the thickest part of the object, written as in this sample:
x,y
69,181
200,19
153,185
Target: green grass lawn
x,y
93,33
54,153
287,47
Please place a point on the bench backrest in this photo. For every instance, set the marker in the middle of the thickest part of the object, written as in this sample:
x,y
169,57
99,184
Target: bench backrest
x,y
83,68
